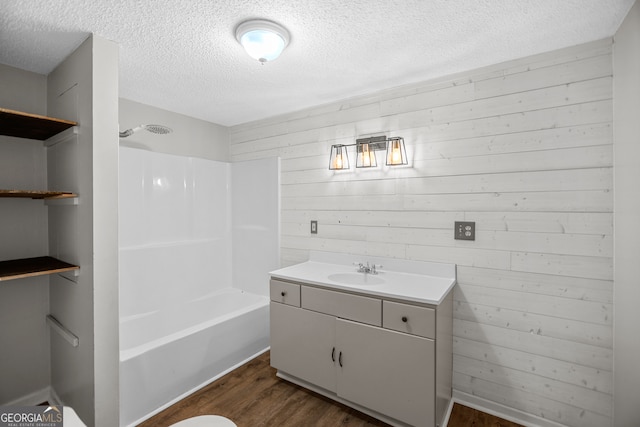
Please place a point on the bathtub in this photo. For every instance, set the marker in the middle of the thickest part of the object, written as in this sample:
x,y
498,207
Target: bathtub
x,y
168,354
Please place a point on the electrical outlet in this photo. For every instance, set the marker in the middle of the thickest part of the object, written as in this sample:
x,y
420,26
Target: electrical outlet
x,y
314,227
464,230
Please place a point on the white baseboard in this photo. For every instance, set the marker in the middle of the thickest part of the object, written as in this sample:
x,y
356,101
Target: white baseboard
x,y
54,399
447,415
502,411
31,399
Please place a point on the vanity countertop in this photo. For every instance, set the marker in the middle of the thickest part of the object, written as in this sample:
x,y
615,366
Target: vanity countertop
x,y
411,281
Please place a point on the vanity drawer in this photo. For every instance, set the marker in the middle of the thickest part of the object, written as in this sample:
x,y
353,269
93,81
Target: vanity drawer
x,y
410,319
285,292
346,306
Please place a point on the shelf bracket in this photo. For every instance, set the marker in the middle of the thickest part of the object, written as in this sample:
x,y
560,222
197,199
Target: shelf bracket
x,y
71,276
71,201
63,136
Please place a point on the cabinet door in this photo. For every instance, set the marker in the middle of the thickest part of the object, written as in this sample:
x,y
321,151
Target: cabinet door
x,y
302,344
387,371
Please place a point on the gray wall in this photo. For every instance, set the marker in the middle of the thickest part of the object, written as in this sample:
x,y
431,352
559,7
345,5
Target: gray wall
x,y
524,149
85,88
24,303
191,137
627,214
106,320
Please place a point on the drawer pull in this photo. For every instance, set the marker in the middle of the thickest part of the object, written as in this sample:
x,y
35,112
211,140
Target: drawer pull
x,y
333,354
340,359
283,293
404,319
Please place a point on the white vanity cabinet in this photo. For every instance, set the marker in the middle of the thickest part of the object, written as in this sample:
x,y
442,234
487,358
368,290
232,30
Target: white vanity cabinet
x,y
388,358
387,371
303,344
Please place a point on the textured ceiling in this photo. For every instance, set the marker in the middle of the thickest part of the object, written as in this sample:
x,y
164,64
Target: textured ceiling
x,y
181,55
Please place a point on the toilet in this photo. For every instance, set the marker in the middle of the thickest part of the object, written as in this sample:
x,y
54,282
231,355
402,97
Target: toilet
x,y
205,421
71,418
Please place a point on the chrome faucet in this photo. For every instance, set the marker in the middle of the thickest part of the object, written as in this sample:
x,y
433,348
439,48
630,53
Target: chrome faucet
x,y
367,269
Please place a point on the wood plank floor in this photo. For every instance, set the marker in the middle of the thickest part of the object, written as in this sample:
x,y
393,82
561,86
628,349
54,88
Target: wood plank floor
x,y
463,416
252,396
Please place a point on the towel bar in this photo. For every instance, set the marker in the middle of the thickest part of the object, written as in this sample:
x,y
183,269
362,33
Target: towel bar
x,y
62,331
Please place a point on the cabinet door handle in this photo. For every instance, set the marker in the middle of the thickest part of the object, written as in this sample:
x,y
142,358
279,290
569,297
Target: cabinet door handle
x,y
333,354
283,293
340,359
404,319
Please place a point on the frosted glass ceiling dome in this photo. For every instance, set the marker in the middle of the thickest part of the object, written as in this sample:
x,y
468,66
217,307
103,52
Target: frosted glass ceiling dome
x,y
263,40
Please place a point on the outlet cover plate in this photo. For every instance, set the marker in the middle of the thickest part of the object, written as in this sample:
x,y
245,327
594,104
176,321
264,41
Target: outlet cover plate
x,y
465,230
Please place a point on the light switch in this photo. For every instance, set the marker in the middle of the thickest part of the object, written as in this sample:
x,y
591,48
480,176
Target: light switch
x,y
314,227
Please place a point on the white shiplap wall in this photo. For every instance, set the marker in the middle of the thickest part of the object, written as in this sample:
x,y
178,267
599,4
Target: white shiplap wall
x,y
524,149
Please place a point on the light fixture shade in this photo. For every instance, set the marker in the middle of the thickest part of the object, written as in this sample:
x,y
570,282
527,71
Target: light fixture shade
x,y
396,152
263,40
365,156
339,159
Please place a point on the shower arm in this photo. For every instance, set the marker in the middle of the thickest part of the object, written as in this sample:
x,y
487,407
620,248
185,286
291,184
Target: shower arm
x,y
130,132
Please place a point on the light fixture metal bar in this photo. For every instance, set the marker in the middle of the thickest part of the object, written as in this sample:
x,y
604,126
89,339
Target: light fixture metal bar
x,y
376,143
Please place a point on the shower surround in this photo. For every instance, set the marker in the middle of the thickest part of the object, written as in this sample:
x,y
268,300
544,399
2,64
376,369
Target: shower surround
x,y
190,309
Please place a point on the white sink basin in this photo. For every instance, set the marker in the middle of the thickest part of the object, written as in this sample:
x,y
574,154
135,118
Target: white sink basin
x,y
360,279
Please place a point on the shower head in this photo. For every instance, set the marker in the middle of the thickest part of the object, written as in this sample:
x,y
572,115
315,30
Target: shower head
x,y
158,129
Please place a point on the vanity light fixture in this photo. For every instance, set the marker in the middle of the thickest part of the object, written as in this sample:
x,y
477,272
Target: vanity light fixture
x,y
396,152
366,152
339,159
365,156
263,40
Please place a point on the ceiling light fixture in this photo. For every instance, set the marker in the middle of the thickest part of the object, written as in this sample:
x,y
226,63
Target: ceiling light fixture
x,y
263,40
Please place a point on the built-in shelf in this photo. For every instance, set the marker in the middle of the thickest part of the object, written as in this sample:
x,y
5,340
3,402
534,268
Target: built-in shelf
x,y
37,194
31,267
31,126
